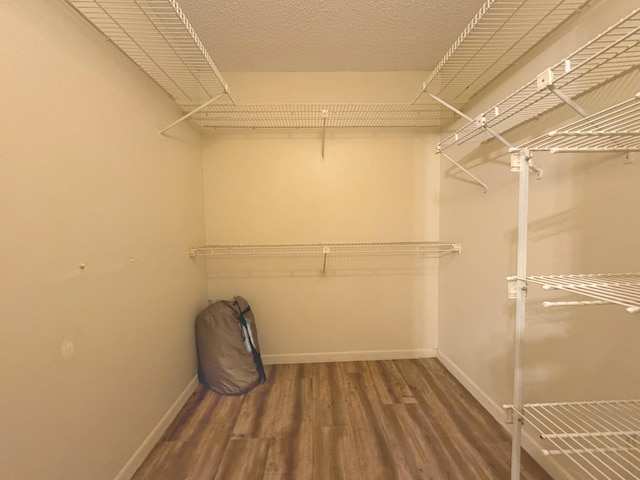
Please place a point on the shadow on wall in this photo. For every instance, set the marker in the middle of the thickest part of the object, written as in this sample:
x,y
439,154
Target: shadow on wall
x,y
583,219
315,265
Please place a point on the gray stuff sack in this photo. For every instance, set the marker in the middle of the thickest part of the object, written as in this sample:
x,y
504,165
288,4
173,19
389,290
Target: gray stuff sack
x,y
229,359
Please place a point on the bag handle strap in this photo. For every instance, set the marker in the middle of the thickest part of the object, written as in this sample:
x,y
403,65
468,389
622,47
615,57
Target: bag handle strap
x,y
262,376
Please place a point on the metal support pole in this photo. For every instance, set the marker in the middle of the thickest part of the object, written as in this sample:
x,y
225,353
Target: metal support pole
x,y
484,185
521,285
192,112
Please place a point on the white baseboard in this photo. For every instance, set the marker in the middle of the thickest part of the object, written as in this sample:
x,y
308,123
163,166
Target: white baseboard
x,y
147,445
275,359
529,443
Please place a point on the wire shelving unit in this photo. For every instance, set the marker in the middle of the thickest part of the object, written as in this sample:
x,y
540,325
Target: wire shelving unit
x,y
616,51
601,438
499,34
431,249
615,288
602,445
321,253
612,130
157,36
321,115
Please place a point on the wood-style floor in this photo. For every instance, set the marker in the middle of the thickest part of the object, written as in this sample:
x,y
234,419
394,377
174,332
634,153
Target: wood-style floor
x,y
401,419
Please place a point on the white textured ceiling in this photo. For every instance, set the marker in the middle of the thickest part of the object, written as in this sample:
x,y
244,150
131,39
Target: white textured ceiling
x,y
328,35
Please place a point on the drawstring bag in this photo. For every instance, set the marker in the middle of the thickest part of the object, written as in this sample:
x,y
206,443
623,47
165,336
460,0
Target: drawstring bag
x,y
229,359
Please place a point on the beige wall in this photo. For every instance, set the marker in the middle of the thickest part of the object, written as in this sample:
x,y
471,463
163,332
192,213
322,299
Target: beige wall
x,y
91,359
85,179
583,219
371,186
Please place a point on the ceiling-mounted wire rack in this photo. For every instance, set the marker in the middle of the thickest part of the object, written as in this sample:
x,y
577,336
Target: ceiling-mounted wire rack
x,y
157,36
499,34
614,52
614,129
602,438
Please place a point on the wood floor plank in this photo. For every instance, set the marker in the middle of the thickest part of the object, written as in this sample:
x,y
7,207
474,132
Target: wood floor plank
x,y
166,460
259,408
291,458
329,400
200,456
189,416
459,415
334,453
291,452
192,419
295,407
391,420
375,455
446,386
422,455
244,459
389,383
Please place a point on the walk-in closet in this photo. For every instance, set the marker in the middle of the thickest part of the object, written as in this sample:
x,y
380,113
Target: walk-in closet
x,y
432,207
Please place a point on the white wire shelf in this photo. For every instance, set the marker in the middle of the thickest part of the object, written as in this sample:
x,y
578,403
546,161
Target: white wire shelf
x,y
615,129
601,438
500,33
612,53
321,115
614,288
432,249
156,35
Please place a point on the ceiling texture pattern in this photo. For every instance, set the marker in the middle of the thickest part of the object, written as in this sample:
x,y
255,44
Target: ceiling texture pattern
x,y
328,35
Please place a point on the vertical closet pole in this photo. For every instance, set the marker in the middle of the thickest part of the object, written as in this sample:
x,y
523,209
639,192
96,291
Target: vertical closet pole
x,y
521,283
